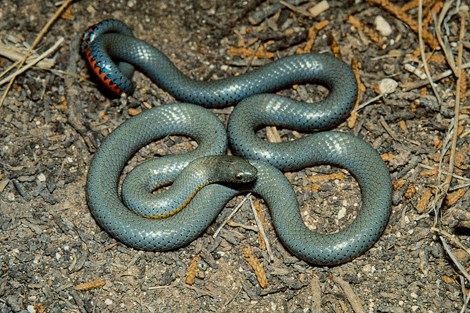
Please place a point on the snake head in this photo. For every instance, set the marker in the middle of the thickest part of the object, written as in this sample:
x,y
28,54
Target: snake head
x,y
237,170
227,168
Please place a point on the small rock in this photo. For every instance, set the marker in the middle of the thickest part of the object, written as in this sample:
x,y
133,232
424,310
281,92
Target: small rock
x,y
388,85
368,268
383,26
342,213
131,3
41,177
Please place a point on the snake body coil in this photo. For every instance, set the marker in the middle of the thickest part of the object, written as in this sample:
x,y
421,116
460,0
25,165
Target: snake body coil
x,y
139,183
112,40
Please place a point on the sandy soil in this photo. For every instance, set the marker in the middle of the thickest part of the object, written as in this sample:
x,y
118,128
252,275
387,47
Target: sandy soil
x,y
53,120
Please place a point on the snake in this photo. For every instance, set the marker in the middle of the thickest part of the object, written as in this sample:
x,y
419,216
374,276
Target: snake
x,y
113,53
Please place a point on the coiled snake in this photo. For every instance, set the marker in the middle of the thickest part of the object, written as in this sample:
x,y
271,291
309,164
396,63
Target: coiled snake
x,y
201,197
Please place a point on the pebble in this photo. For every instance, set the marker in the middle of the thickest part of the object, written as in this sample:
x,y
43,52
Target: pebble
x,y
131,3
368,268
42,177
382,26
388,85
341,213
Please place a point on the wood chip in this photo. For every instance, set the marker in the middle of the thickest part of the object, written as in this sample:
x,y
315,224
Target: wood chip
x,y
319,8
410,191
313,187
403,126
134,112
437,142
397,184
430,172
387,157
461,161
433,12
272,134
335,48
312,36
103,116
453,197
40,308
249,53
448,280
424,200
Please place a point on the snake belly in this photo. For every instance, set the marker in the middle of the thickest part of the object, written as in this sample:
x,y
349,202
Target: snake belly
x,y
255,110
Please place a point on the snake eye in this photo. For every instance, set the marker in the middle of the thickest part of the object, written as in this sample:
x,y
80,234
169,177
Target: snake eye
x,y
239,176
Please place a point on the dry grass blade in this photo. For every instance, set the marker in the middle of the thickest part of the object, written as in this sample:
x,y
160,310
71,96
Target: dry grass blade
x,y
33,62
423,54
454,259
445,45
16,55
463,12
261,230
216,233
35,43
443,189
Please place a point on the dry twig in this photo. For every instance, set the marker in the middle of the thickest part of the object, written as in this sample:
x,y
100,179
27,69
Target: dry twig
x,y
216,233
350,295
434,79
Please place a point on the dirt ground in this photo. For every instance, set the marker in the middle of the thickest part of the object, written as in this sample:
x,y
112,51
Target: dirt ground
x,y
55,116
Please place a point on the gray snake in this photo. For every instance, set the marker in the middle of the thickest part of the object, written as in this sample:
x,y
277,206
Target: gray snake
x,y
112,40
